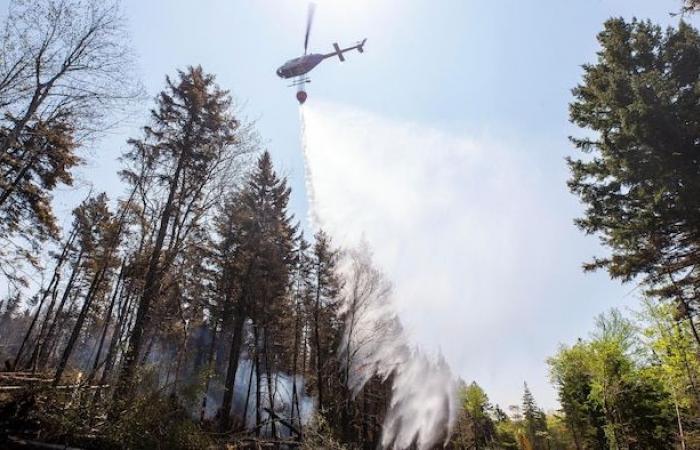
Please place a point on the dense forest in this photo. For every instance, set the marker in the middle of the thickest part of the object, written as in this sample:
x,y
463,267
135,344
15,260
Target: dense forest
x,y
192,312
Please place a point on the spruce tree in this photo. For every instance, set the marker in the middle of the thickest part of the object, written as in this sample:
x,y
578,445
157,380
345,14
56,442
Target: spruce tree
x,y
535,421
257,256
639,176
182,151
324,312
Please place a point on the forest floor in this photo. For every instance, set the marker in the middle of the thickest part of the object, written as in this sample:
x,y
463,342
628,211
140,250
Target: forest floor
x,y
36,415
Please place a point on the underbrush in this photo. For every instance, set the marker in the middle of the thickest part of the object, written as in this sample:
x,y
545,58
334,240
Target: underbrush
x,y
81,419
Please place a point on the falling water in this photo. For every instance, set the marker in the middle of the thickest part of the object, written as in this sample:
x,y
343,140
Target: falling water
x,y
308,176
423,406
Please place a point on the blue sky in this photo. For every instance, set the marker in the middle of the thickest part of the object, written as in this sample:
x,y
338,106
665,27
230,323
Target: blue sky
x,y
488,77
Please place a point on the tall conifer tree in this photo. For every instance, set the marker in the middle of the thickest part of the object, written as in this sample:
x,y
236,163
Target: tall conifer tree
x,y
183,149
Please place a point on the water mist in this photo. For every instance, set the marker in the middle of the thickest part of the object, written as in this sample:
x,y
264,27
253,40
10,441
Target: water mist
x,y
423,406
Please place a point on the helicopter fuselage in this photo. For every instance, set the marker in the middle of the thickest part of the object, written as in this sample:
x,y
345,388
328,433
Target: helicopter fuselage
x,y
304,64
300,66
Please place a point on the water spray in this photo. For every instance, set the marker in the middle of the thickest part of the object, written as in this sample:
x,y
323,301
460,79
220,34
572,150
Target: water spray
x,y
423,406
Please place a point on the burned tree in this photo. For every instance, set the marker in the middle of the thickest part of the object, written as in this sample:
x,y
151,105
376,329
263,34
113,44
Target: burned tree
x,y
189,145
99,238
323,311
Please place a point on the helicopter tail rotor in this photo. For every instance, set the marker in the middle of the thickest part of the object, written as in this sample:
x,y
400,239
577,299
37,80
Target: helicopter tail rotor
x,y
361,46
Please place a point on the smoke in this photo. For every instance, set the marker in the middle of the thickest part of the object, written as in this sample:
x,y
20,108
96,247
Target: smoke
x,y
423,404
163,353
282,396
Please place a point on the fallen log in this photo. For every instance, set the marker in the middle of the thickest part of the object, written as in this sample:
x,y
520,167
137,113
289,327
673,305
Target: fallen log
x,y
36,444
26,379
63,387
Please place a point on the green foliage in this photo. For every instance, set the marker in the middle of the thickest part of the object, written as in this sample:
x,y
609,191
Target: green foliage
x,y
640,104
570,372
639,178
604,385
71,417
475,427
558,433
676,362
506,433
155,422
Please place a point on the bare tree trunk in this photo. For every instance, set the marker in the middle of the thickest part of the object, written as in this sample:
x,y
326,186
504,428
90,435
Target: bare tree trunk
x,y
42,331
54,344
317,337
42,352
247,397
270,391
151,290
258,418
56,280
151,340
77,328
53,284
685,307
117,337
34,320
686,365
295,357
210,358
681,435
108,321
234,356
182,348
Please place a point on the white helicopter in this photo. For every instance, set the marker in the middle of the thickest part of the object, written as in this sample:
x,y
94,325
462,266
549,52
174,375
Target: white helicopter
x,y
299,67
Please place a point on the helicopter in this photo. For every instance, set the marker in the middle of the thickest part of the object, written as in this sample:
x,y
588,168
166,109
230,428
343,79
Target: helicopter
x,y
299,67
